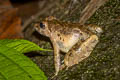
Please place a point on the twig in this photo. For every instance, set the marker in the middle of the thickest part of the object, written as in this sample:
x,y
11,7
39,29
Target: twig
x,y
90,9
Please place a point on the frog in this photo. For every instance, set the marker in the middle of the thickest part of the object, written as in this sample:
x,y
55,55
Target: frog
x,y
75,40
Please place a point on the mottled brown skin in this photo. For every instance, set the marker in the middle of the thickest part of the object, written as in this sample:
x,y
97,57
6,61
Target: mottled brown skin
x,y
76,40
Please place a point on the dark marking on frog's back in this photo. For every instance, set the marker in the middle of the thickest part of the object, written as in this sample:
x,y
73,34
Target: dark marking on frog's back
x,y
60,38
63,39
58,34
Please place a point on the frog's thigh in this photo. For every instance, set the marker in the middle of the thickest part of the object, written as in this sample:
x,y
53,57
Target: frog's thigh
x,y
75,56
88,45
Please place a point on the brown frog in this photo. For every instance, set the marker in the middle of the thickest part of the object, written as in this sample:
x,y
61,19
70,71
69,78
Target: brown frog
x,y
76,40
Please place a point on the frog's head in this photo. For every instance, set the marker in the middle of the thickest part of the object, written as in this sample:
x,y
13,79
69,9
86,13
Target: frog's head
x,y
42,28
46,26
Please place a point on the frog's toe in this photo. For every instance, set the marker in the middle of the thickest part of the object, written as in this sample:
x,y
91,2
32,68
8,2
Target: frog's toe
x,y
62,61
62,67
67,68
54,76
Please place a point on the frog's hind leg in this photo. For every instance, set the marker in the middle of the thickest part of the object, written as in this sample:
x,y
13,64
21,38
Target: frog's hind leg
x,y
80,52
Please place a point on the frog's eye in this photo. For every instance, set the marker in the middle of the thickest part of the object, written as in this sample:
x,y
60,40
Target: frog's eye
x,y
42,25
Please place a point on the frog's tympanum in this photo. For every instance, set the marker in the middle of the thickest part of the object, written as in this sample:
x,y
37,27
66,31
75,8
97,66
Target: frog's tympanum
x,y
76,40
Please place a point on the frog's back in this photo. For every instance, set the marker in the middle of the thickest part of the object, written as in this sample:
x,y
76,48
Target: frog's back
x,y
65,27
67,34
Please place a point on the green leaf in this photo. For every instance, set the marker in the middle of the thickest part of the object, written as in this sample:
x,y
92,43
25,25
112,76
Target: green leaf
x,y
14,65
23,46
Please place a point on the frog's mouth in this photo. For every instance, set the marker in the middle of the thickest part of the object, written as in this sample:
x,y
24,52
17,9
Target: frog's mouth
x,y
37,28
40,31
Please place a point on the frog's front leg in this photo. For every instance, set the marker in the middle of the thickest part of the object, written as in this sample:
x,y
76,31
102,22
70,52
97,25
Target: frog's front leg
x,y
80,51
56,56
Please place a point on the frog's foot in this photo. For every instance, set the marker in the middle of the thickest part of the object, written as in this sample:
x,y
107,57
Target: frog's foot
x,y
66,68
62,67
56,73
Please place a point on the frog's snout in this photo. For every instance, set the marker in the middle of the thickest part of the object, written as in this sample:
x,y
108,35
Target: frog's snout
x,y
36,26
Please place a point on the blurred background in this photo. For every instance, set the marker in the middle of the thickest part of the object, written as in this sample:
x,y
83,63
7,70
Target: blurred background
x,y
16,21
